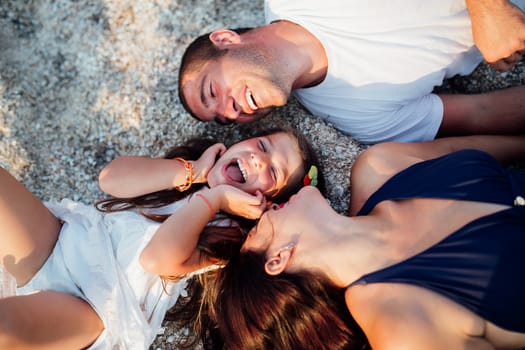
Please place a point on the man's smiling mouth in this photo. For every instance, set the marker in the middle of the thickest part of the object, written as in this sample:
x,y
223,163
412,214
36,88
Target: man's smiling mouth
x,y
251,100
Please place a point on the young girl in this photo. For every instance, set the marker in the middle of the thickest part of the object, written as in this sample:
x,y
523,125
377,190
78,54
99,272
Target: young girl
x,y
88,279
431,258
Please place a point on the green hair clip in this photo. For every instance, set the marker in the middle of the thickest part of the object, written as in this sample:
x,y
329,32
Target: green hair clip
x,y
311,177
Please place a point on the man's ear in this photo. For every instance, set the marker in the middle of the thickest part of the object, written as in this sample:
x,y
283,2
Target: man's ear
x,y
278,262
224,37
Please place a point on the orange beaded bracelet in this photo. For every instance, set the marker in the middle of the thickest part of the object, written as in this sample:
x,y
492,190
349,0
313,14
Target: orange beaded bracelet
x,y
189,175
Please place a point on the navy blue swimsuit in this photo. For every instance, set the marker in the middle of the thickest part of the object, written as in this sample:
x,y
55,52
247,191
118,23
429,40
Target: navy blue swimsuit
x,y
482,265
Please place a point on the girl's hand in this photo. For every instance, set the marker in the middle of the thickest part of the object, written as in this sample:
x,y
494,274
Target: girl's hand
x,y
237,202
202,166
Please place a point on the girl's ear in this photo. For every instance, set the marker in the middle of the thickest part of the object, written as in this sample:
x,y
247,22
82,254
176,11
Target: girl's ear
x,y
224,37
278,262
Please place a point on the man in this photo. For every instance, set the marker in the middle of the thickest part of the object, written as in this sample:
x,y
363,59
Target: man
x,y
368,67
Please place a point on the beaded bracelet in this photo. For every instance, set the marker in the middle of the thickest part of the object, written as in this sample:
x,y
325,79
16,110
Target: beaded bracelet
x,y
189,175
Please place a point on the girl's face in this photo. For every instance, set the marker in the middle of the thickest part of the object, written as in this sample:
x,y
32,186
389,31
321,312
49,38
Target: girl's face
x,y
278,226
266,163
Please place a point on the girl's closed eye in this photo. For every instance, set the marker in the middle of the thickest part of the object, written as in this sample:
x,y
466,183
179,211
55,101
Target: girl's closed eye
x,y
263,146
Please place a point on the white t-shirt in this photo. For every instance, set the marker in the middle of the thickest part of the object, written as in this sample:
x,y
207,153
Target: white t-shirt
x,y
384,59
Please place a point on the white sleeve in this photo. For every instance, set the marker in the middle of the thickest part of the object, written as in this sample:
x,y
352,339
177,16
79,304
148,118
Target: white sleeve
x,y
381,120
416,120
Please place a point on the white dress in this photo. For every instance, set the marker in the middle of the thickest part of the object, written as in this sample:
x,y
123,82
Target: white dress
x,y
96,258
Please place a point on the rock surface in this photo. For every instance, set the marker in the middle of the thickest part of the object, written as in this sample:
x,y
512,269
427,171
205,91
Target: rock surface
x,y
84,81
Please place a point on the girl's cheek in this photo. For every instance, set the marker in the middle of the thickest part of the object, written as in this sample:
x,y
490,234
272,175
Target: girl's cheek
x,y
215,178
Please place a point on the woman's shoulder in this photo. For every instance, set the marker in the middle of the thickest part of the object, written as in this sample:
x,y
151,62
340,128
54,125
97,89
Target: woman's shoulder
x,y
381,162
372,168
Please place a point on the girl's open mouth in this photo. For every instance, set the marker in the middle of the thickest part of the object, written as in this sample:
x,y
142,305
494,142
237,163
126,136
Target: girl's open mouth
x,y
236,172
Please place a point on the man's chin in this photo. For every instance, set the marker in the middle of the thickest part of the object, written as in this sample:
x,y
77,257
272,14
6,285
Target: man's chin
x,y
254,117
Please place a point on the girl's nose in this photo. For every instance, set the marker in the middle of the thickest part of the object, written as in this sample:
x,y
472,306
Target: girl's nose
x,y
258,161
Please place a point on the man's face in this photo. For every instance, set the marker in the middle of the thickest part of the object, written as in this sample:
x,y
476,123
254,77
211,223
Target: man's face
x,y
238,87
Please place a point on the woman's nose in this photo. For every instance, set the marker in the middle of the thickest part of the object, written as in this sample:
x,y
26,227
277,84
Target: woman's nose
x,y
276,206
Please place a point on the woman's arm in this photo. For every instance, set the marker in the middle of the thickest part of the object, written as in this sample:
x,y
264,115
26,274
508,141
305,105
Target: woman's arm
x,y
380,162
173,249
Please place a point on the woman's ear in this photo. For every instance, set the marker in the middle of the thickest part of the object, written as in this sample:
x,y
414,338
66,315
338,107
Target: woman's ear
x,y
278,262
224,37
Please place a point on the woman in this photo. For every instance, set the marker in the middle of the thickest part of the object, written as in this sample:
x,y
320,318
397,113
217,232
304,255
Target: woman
x,y
433,258
90,279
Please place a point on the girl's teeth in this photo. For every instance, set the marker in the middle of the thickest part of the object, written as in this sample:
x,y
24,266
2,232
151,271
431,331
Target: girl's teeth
x,y
243,171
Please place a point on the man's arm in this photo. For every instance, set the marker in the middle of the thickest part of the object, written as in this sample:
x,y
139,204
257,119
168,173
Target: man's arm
x,y
498,28
496,112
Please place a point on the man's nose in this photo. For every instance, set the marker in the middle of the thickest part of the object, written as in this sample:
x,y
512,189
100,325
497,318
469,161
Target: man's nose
x,y
231,109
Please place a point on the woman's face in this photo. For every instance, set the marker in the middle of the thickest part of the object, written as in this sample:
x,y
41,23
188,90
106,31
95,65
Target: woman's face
x,y
279,226
266,163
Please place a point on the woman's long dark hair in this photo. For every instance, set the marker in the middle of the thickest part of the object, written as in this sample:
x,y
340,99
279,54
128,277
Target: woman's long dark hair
x,y
254,310
193,311
217,243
